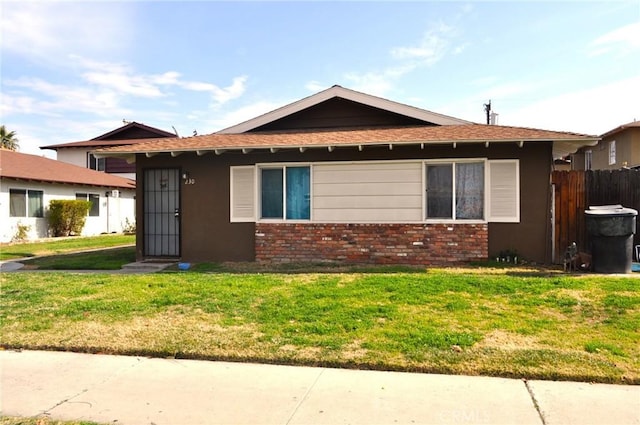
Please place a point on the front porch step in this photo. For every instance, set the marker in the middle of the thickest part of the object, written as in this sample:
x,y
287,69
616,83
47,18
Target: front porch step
x,y
146,267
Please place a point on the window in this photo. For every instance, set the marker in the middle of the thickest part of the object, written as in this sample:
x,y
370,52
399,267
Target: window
x,y
588,157
285,193
612,152
94,211
26,203
455,191
465,190
98,164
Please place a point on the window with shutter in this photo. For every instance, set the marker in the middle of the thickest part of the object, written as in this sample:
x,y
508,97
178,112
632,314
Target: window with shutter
x,y
504,191
242,194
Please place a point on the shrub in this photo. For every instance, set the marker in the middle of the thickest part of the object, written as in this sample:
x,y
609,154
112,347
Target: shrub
x,y
22,233
67,217
129,227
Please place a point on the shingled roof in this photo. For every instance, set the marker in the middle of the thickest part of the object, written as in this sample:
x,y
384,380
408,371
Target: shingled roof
x,y
21,166
422,135
115,137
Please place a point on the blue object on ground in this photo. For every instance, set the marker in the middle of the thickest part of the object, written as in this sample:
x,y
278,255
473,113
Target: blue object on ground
x,y
184,266
635,267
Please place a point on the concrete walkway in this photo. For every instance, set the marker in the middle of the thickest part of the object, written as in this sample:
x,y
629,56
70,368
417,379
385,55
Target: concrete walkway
x,y
137,390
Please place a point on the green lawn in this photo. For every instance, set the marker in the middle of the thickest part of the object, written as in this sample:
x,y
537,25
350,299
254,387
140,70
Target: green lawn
x,y
503,322
104,259
63,245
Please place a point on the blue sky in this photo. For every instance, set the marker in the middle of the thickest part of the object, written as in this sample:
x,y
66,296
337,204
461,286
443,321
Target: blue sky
x,y
74,70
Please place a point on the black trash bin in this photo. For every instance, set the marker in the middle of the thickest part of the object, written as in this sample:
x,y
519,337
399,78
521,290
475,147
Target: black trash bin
x,y
611,229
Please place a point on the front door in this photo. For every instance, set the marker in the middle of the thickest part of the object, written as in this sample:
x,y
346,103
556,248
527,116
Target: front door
x,y
162,212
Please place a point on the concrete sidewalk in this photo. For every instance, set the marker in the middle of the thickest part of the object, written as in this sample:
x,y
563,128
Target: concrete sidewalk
x,y
137,390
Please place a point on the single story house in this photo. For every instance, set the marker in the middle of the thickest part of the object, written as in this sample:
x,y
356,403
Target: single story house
x,y
29,182
343,176
618,148
79,153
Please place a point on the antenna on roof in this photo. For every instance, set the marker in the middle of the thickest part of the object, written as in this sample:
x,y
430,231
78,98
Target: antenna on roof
x,y
124,121
487,110
175,131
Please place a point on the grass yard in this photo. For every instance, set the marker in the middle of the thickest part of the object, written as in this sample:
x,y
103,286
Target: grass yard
x,y
104,259
501,322
63,245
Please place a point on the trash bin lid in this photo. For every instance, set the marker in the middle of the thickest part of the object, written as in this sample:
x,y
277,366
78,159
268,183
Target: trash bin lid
x,y
610,211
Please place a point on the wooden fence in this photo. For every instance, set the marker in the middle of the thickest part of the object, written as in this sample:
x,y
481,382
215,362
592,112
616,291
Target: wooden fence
x,y
575,191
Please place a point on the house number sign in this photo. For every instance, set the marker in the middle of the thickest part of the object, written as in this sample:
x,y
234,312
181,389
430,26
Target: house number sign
x,y
189,181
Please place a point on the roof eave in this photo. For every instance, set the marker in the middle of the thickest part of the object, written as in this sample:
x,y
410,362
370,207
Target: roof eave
x,y
561,148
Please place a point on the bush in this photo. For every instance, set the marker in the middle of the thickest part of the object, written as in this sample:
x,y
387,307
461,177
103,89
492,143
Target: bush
x,y
67,218
22,233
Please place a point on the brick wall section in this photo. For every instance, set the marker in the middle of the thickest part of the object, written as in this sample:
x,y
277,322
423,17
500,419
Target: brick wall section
x,y
428,244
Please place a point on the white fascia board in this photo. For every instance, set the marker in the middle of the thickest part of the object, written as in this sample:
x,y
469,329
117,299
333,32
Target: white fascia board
x,y
338,91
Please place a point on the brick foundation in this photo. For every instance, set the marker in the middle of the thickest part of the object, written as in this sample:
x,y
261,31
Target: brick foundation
x,y
428,244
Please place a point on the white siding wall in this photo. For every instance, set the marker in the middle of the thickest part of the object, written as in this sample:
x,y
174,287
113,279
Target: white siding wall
x,y
367,192
113,211
73,156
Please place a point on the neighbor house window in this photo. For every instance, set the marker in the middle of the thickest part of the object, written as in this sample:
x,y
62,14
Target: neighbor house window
x,y
588,157
26,203
285,193
612,152
455,191
98,164
94,211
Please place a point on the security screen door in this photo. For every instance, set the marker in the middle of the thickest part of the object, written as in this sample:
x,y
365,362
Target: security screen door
x,y
162,212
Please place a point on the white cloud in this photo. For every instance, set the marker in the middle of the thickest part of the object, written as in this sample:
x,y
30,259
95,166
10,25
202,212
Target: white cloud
x,y
378,84
124,80
48,31
624,39
45,98
240,115
595,110
433,46
315,86
234,91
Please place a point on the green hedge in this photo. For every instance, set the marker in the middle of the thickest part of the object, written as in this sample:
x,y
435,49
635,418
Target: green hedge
x,y
67,218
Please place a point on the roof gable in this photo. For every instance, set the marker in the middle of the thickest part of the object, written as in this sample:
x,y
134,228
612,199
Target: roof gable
x,y
621,128
128,134
134,130
23,166
309,106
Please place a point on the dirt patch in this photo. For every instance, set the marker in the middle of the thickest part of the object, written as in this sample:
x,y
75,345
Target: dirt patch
x,y
508,341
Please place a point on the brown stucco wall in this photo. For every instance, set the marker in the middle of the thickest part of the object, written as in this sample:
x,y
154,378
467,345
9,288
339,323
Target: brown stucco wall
x,y
208,235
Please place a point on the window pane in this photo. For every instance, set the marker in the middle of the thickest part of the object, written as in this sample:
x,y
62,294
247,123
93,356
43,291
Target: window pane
x,y
17,203
298,197
35,203
271,192
470,191
440,191
95,205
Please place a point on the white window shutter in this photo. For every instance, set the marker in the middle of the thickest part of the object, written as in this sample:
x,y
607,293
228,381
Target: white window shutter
x,y
504,191
242,194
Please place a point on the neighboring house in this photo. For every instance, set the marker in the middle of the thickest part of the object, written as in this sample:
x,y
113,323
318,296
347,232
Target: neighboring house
x,y
617,148
29,182
79,153
342,176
